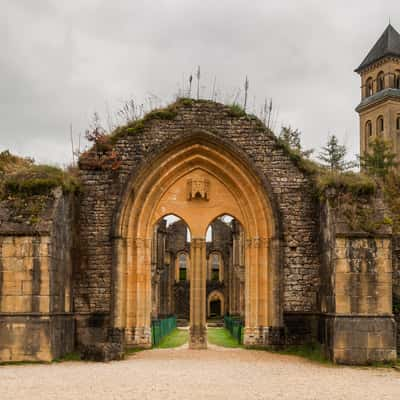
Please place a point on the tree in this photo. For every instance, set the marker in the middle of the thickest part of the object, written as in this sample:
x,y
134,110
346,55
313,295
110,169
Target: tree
x,y
292,138
333,155
380,160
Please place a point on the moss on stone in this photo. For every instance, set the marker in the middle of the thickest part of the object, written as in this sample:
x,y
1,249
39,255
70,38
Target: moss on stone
x,y
26,188
234,110
131,129
357,184
135,127
305,165
166,114
37,180
185,101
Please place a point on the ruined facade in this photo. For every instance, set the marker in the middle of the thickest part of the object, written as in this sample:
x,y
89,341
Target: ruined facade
x,y
297,264
99,265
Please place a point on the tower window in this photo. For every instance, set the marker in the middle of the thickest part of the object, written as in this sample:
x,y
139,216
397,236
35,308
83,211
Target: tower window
x,y
397,80
380,81
380,125
368,129
369,90
398,123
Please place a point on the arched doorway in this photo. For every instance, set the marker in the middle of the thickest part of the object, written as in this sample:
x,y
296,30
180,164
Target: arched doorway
x,y
215,304
197,179
170,268
226,241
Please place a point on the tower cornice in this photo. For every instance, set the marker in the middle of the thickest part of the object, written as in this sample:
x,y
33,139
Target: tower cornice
x,y
379,97
388,59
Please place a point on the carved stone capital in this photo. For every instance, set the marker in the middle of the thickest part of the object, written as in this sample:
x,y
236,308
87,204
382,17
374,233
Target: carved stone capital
x,y
198,243
198,189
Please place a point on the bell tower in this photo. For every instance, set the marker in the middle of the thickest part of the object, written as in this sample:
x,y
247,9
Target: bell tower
x,y
379,109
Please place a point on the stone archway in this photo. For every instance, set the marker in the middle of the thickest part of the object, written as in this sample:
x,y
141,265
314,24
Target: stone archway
x,y
198,180
215,296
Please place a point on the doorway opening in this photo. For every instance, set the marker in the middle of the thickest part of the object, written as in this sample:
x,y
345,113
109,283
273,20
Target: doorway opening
x,y
171,269
225,268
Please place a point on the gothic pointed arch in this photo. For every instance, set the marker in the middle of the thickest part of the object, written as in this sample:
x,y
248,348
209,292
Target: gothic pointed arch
x,y
227,183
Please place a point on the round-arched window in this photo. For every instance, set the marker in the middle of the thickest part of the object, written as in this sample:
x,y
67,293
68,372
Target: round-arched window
x,y
368,129
380,81
397,79
369,87
380,125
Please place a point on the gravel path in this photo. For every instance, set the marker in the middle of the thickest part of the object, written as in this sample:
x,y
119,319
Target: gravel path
x,y
183,374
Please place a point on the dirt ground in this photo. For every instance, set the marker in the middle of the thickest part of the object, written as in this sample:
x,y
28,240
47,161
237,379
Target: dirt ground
x,y
216,373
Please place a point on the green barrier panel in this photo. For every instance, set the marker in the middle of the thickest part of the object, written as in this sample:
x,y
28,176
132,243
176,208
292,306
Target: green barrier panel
x,y
161,328
235,326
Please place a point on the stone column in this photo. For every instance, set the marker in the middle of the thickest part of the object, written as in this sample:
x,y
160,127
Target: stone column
x,y
198,271
251,330
155,294
143,299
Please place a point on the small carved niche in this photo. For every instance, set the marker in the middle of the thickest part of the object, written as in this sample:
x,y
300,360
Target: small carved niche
x,y
198,189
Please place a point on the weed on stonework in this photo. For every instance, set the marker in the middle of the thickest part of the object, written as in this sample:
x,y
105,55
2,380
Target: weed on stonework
x,y
16,363
385,364
311,351
74,356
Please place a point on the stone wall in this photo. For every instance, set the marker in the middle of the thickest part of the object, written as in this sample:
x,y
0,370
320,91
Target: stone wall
x,y
356,293
288,187
36,321
396,265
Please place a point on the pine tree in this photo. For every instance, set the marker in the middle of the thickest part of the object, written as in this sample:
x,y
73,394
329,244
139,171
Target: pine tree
x,y
333,155
292,138
380,160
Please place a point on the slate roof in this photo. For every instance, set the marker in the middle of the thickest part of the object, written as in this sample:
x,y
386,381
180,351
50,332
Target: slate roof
x,y
387,45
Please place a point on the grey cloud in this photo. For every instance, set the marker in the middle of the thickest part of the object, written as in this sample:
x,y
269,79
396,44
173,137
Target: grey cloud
x,y
60,61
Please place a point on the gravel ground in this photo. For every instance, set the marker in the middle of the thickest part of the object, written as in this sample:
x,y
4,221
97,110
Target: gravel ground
x,y
217,373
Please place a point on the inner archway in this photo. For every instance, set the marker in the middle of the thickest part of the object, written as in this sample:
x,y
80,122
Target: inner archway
x,y
215,304
197,179
225,242
170,266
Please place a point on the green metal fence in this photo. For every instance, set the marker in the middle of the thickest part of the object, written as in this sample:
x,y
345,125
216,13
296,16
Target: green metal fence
x,y
235,327
161,328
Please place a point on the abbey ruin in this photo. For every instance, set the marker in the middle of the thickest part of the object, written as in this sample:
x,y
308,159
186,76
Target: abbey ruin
x,y
198,210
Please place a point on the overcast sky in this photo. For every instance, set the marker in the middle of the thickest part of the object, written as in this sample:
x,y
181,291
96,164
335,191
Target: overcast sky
x,y
62,60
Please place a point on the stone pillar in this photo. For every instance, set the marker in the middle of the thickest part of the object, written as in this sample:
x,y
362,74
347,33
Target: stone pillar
x,y
251,330
198,271
260,328
142,294
155,294
120,284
